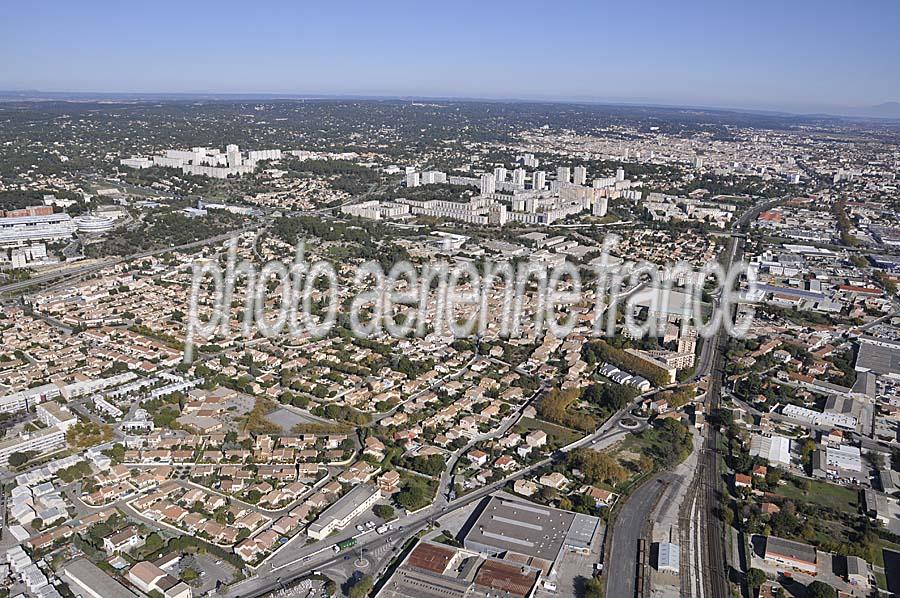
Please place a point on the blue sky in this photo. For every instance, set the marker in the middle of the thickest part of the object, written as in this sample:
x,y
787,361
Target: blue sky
x,y
798,55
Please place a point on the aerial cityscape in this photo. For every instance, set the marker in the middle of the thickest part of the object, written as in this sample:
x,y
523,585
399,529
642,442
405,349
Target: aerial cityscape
x,y
285,319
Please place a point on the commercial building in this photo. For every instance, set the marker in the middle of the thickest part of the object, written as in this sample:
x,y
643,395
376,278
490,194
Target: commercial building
x,y
507,525
789,553
668,557
877,506
438,571
857,572
19,230
843,458
775,449
149,578
89,580
346,509
91,224
878,356
815,418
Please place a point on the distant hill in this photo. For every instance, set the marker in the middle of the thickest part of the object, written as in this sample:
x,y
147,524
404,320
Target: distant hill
x,y
885,110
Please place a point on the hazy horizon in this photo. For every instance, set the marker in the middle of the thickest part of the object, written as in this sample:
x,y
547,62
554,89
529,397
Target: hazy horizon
x,y
805,57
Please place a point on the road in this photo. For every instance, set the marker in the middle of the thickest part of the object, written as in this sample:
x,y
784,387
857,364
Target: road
x,y
291,563
620,569
75,273
622,566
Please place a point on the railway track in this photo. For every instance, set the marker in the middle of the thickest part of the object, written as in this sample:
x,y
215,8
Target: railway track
x,y
714,574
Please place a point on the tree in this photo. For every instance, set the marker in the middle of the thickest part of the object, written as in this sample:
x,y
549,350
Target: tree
x,y
818,589
18,459
756,578
875,459
432,465
414,495
153,543
385,512
189,575
593,588
362,587
609,396
554,407
597,467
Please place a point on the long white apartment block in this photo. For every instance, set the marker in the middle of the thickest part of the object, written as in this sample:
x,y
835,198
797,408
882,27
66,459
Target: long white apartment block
x,y
42,441
19,401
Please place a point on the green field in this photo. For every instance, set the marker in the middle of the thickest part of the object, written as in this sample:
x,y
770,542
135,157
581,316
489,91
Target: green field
x,y
826,495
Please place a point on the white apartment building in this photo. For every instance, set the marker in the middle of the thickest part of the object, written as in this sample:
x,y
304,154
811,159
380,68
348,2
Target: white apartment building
x,y
580,175
376,210
259,155
42,441
54,414
86,387
433,177
22,400
138,163
346,509
488,184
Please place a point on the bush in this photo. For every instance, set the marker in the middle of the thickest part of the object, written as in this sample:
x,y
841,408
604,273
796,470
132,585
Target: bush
x,y
386,512
18,459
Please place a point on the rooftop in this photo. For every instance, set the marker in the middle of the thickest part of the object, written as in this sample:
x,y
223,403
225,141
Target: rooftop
x,y
879,356
89,576
790,549
509,525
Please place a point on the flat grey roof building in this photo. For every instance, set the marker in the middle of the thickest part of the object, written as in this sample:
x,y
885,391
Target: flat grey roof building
x,y
582,531
669,557
879,356
790,549
89,580
508,525
511,525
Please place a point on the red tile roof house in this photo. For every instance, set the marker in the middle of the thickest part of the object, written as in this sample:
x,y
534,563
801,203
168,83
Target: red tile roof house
x,y
478,457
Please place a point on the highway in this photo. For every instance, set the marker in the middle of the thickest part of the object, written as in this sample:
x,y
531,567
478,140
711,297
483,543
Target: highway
x,y
70,275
